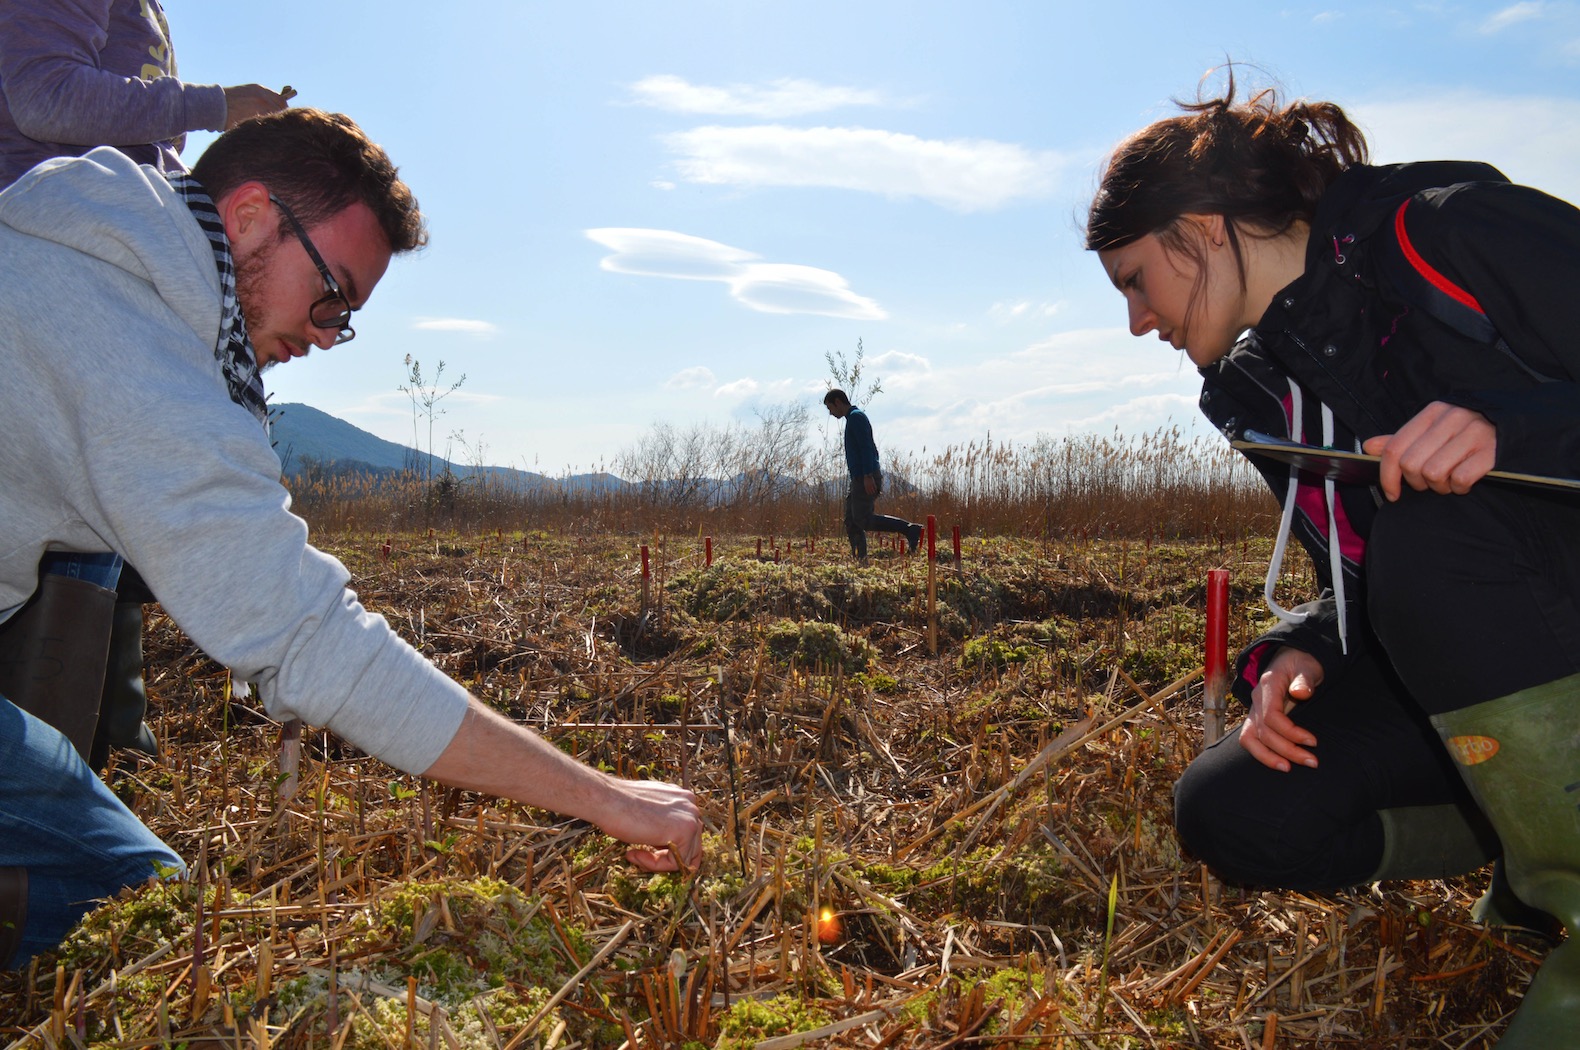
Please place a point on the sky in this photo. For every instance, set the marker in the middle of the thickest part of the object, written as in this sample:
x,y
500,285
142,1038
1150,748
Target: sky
x,y
647,211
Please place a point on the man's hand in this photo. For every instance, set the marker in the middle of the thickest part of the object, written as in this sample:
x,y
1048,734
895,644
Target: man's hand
x,y
661,814
1269,734
246,101
1445,448
870,484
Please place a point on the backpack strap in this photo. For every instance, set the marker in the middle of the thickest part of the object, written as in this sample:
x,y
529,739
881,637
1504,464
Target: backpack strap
x,y
1424,286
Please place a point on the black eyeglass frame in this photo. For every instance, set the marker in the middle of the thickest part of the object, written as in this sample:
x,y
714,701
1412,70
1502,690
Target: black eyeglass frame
x,y
339,321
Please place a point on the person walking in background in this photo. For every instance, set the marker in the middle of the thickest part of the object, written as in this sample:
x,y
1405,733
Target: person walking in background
x,y
866,480
74,76
1422,716
177,290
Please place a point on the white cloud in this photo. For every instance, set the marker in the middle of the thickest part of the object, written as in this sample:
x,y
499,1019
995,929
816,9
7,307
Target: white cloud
x,y
1514,14
963,174
1003,313
697,378
739,388
900,361
1532,139
785,97
1082,380
455,324
775,288
1140,415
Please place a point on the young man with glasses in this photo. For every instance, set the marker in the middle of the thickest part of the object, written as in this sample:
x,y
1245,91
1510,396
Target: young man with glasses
x,y
138,313
75,75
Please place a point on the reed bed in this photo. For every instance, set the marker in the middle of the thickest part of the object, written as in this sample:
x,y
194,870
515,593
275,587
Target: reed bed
x,y
1157,486
904,849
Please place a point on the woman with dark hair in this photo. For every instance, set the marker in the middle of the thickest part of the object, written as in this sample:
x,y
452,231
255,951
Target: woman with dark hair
x,y
1422,717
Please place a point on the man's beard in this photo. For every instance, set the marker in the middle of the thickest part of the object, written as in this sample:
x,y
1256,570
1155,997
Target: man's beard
x,y
250,272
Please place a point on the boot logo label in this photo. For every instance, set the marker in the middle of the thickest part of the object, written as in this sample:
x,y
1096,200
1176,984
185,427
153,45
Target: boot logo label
x,y
1472,750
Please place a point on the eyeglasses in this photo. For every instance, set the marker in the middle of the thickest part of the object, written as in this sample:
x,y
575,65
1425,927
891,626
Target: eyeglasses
x,y
333,311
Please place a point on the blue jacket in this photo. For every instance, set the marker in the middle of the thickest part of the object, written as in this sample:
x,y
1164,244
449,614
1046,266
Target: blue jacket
x,y
861,452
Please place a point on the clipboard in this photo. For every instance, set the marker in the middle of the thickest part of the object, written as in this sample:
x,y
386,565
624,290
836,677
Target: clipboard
x,y
1359,468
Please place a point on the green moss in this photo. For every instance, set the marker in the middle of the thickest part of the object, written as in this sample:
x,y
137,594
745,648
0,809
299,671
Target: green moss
x,y
1162,663
647,895
889,878
137,921
822,646
493,936
1027,885
877,681
994,653
750,1021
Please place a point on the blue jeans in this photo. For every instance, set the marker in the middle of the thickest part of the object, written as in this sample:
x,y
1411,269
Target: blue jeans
x,y
102,569
78,842
58,820
860,518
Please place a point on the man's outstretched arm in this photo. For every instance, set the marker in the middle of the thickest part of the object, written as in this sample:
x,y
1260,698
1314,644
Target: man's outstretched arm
x,y
492,754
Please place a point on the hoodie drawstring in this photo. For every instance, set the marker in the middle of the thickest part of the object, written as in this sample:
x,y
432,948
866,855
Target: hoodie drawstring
x,y
1275,566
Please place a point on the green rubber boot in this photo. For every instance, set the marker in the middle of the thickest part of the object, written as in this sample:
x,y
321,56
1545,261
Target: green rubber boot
x,y
124,703
1434,842
1520,755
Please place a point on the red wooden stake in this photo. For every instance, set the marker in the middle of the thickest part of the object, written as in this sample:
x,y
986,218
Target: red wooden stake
x,y
932,585
759,546
707,552
1217,656
645,579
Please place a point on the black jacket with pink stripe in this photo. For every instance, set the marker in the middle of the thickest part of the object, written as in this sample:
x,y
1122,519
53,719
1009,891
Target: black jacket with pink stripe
x,y
1359,333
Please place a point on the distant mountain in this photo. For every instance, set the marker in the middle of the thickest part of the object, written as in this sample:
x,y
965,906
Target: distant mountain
x,y
304,435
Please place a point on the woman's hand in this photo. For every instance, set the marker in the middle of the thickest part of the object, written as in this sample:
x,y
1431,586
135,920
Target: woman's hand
x,y
1269,734
245,101
1445,448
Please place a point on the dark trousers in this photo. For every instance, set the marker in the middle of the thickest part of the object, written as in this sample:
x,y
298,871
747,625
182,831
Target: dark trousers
x,y
861,519
1472,598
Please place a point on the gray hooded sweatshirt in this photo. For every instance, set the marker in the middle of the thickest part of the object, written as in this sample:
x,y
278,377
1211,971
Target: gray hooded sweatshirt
x,y
117,434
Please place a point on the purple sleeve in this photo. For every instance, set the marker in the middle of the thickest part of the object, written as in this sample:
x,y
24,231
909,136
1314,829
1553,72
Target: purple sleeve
x,y
93,72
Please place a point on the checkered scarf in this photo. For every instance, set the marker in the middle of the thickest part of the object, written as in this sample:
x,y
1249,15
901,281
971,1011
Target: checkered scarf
x,y
233,349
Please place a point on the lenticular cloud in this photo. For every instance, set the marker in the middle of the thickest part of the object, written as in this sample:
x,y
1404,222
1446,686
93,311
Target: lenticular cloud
x,y
775,288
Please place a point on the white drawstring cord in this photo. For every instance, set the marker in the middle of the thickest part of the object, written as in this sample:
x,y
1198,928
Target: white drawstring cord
x,y
1335,553
1275,567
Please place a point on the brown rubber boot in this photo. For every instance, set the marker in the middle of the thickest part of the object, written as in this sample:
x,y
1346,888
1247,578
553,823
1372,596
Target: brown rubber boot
x,y
53,652
13,912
